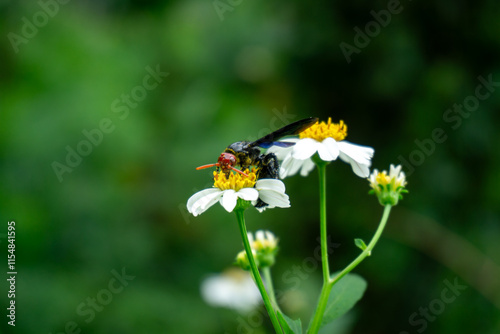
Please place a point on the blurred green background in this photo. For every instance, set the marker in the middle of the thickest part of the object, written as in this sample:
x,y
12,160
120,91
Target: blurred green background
x,y
237,70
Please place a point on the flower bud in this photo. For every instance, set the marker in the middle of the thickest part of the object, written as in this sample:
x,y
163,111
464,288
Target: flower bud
x,y
243,262
388,188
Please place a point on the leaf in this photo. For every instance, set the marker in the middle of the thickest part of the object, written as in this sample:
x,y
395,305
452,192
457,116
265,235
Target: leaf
x,y
344,296
361,245
341,325
290,326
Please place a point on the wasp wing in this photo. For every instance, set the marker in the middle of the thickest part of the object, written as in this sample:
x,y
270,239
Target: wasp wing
x,y
288,130
277,143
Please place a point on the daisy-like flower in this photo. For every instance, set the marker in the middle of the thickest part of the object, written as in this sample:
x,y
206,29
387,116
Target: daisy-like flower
x,y
388,188
234,289
227,190
327,140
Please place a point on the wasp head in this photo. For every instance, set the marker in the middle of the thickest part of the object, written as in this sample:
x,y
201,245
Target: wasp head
x,y
226,162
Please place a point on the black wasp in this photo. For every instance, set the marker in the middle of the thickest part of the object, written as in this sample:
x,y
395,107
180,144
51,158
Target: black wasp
x,y
246,154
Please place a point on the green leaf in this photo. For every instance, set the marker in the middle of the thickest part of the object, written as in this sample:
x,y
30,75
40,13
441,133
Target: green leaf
x,y
344,296
361,245
290,326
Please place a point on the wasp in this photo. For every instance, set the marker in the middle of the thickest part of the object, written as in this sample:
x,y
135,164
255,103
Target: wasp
x,y
246,154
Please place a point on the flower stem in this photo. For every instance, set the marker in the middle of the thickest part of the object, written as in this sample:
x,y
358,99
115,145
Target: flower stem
x,y
255,271
325,292
322,222
367,251
326,288
269,282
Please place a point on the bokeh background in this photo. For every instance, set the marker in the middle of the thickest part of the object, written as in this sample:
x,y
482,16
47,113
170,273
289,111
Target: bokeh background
x,y
236,70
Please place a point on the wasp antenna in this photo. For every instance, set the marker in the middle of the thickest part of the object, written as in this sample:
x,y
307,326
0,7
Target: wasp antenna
x,y
239,171
207,166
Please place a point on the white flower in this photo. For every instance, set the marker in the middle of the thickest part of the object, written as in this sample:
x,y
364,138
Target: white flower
x,y
233,289
327,140
227,190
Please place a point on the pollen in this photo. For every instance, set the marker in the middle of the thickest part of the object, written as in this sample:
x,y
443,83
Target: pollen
x,y
321,131
235,181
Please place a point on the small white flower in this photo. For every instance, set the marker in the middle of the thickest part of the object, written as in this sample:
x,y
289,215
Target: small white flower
x,y
232,289
227,190
327,140
388,188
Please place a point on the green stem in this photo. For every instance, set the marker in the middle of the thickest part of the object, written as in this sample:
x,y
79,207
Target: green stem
x,y
367,251
325,292
269,282
255,271
322,222
326,288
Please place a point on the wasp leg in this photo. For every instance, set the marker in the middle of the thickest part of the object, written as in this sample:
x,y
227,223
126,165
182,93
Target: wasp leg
x,y
268,169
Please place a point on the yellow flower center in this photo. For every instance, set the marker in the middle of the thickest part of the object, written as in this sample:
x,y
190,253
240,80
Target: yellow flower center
x,y
235,180
383,179
321,131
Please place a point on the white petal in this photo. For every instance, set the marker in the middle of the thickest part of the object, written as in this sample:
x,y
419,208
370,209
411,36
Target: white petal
x,y
359,153
373,178
290,166
307,167
305,148
229,199
250,238
394,171
328,150
199,195
270,236
270,184
358,156
248,194
282,152
274,198
202,200
361,170
233,289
